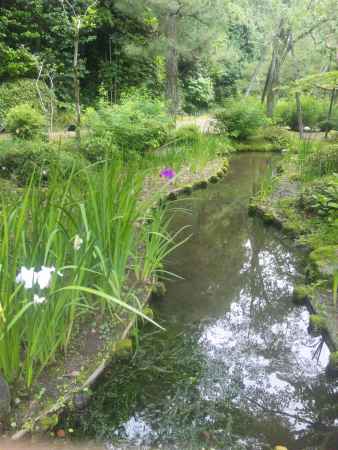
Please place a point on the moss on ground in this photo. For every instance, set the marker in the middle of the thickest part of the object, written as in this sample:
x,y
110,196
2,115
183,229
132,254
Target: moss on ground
x,y
325,260
213,179
301,294
292,204
334,360
203,184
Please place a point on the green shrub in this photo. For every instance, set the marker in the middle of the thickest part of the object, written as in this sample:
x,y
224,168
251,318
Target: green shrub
x,y
13,93
318,323
138,124
321,197
99,148
241,117
321,161
188,134
278,137
314,112
24,122
65,117
18,161
328,125
199,93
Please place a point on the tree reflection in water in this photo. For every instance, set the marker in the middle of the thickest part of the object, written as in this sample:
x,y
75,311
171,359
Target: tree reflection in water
x,y
236,368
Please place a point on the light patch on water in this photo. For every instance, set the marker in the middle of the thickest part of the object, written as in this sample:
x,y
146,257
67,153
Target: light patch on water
x,y
137,430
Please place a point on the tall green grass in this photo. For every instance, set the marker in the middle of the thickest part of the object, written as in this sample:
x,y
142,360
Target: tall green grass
x,y
86,230
316,159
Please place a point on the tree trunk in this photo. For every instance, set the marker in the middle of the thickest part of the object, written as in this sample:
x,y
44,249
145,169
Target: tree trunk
x,y
300,116
172,65
297,95
329,114
77,81
255,74
271,83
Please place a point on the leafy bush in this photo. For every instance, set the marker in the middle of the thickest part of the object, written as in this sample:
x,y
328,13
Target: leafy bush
x,y
321,197
241,117
24,122
199,93
139,123
323,161
99,148
328,125
19,161
188,134
277,136
21,91
314,112
65,116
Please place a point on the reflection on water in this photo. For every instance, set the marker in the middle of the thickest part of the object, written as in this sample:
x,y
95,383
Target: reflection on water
x,y
236,368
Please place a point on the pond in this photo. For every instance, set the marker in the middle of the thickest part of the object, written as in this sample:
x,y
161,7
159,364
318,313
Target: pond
x,y
236,367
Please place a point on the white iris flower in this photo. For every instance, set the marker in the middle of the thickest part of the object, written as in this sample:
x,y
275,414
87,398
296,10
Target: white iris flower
x,y
38,300
43,278
27,277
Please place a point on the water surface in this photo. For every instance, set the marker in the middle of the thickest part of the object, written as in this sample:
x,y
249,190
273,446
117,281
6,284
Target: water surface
x,y
236,367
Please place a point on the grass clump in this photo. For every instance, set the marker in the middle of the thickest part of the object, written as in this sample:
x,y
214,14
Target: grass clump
x,y
188,134
301,294
318,323
67,252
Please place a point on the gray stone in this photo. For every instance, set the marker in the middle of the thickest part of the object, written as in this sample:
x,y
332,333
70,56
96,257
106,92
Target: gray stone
x,y
81,400
5,399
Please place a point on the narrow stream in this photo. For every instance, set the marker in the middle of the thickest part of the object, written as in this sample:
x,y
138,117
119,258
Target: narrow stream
x,y
236,367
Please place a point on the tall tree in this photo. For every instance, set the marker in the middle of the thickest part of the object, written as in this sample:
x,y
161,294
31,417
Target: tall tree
x,y
185,28
78,17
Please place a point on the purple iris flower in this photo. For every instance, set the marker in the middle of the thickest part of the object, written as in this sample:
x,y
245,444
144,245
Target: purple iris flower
x,y
167,173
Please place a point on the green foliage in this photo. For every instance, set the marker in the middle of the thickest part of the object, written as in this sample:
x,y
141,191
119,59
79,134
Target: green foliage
x,y
241,117
314,112
17,62
278,137
19,160
188,134
199,93
139,123
318,323
301,294
321,197
14,93
97,148
328,125
334,360
317,160
24,122
86,233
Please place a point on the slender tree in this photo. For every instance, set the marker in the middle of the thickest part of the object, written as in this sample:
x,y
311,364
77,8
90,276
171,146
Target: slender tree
x,y
78,17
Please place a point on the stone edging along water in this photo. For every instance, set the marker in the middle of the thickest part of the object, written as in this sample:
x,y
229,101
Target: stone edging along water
x,y
47,417
315,300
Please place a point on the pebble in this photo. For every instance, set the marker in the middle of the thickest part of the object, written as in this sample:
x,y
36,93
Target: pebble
x,y
60,434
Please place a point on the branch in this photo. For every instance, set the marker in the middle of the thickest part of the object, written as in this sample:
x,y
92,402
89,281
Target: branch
x,y
313,28
37,86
